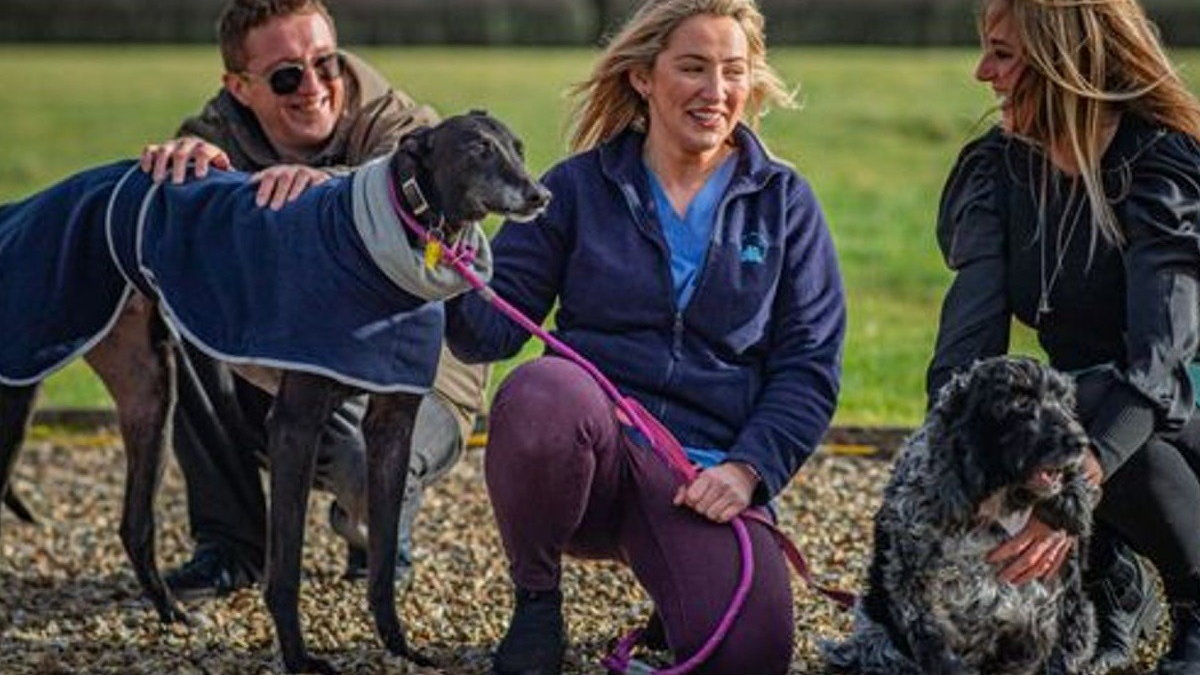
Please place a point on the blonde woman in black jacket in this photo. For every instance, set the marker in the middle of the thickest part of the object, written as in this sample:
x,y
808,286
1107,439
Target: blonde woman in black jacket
x,y
1079,215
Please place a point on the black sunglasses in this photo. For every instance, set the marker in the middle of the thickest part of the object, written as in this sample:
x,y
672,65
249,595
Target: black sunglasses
x,y
286,79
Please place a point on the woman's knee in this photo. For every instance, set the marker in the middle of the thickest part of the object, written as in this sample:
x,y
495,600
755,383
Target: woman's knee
x,y
1151,480
545,381
545,405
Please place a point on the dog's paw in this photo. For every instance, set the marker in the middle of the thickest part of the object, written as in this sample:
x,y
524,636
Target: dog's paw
x,y
311,664
418,659
839,657
397,645
944,663
172,612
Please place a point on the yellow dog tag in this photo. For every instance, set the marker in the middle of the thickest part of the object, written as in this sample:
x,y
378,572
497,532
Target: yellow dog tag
x,y
433,253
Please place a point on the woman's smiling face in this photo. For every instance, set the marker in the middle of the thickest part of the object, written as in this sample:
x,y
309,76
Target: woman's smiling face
x,y
697,88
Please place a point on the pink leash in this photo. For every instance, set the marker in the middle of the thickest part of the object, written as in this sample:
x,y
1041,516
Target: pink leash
x,y
662,442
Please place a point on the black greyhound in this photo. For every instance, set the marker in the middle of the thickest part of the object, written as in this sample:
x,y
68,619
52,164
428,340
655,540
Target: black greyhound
x,y
454,174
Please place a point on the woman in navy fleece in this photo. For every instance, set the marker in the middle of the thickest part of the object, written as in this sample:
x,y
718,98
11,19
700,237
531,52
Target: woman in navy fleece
x,y
697,272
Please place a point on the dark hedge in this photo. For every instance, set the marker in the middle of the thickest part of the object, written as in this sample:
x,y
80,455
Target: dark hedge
x,y
529,22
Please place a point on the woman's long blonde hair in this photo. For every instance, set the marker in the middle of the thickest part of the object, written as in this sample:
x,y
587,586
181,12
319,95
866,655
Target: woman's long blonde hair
x,y
1087,58
606,104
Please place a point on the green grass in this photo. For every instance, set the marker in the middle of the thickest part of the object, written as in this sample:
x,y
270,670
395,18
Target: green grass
x,y
876,135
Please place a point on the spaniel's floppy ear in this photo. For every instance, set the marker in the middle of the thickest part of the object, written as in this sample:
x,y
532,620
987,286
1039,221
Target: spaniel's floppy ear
x,y
957,458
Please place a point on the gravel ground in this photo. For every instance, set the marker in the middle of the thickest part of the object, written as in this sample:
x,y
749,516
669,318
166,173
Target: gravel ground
x,y
69,602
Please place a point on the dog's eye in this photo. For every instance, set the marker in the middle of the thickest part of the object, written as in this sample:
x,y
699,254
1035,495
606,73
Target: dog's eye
x,y
481,149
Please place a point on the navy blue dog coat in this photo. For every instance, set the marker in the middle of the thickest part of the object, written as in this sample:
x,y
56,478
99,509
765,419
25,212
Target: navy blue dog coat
x,y
329,284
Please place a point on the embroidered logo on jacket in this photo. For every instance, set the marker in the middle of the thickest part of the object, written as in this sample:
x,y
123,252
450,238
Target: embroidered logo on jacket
x,y
754,249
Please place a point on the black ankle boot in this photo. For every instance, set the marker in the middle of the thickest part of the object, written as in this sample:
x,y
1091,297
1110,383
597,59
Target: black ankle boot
x,y
654,634
1127,609
1183,657
537,637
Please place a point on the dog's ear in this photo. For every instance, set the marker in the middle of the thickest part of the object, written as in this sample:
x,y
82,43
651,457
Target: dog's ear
x,y
954,508
991,415
478,112
959,459
417,142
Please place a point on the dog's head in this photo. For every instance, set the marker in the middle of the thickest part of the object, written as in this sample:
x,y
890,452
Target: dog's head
x,y
465,168
1008,424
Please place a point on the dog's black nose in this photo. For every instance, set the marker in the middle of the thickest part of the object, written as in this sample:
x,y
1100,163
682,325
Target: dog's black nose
x,y
537,196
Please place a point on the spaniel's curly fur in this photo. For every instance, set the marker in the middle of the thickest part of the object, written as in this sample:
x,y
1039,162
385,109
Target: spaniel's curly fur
x,y
1001,442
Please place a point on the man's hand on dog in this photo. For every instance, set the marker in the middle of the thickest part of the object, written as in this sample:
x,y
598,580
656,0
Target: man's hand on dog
x,y
277,185
172,157
719,493
284,183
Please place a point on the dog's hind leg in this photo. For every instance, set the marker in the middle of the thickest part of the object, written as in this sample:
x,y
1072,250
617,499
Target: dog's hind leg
x,y
301,410
16,408
134,361
388,429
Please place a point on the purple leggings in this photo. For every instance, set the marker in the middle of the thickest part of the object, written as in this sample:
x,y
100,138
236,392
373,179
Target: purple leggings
x,y
564,478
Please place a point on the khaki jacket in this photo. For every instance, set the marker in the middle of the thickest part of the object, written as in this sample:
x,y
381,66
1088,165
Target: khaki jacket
x,y
376,117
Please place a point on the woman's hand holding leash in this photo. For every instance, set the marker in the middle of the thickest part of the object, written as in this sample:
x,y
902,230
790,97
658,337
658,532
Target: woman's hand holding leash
x,y
719,493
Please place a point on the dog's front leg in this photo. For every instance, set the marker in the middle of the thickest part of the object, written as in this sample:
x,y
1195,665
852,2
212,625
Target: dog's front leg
x,y
907,585
388,429
302,407
135,362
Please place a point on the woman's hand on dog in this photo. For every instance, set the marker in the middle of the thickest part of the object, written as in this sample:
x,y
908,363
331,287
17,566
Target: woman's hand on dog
x,y
1092,470
719,493
1036,552
173,157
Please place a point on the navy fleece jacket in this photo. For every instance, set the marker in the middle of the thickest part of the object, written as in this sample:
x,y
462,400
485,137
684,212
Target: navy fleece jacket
x,y
750,366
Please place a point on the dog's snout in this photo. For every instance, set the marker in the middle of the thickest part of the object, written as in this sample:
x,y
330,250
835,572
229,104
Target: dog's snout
x,y
1077,432
537,195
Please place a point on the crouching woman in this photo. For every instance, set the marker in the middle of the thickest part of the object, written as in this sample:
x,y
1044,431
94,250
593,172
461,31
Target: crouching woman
x,y
696,272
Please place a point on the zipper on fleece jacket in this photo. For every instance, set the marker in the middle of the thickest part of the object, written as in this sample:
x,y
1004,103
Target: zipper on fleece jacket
x,y
633,203
677,336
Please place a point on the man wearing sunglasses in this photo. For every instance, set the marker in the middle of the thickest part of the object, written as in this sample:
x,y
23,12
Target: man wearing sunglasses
x,y
293,110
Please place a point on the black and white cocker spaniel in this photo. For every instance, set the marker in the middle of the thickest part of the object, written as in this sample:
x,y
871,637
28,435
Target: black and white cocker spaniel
x,y
1001,443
